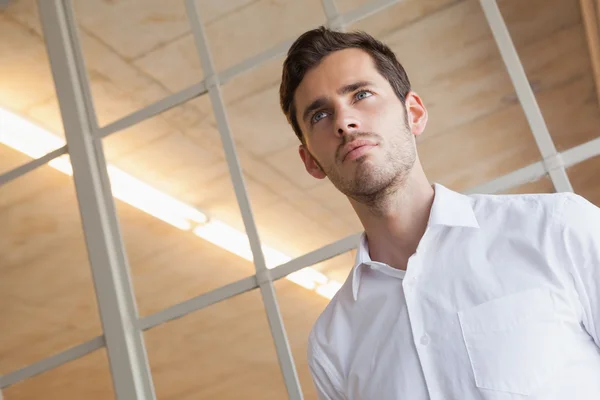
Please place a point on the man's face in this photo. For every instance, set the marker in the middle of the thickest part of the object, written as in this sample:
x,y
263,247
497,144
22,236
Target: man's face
x,y
355,128
357,132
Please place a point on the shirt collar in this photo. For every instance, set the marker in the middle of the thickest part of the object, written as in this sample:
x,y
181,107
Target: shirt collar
x,y
449,209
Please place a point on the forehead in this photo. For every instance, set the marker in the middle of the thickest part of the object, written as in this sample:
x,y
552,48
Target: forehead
x,y
336,70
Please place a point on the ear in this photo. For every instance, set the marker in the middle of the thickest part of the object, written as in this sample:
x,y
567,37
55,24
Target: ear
x,y
416,113
311,165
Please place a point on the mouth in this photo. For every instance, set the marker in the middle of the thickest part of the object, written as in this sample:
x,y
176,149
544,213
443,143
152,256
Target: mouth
x,y
357,149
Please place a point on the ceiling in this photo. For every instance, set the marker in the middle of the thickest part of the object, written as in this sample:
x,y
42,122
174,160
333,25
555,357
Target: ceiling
x,y
138,52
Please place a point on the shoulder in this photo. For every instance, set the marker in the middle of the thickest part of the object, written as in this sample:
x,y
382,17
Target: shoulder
x,y
523,207
577,215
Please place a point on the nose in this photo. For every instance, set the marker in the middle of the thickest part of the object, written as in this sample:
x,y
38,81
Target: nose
x,y
346,123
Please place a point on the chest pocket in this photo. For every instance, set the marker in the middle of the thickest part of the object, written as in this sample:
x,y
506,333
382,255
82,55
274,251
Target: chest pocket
x,y
514,342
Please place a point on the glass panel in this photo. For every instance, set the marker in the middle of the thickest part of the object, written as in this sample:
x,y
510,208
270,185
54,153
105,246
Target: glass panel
x,y
541,185
169,179
584,178
224,351
550,38
25,75
137,52
245,28
453,63
46,289
350,5
402,13
26,86
300,307
85,378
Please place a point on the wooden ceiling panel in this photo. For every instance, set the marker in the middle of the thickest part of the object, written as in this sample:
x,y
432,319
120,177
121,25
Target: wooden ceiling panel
x,y
484,149
265,76
34,225
85,378
132,27
47,293
571,112
258,27
328,196
144,236
32,184
338,268
49,305
331,219
296,230
26,12
211,10
173,163
180,268
258,169
300,309
536,18
25,76
138,86
218,199
396,17
229,348
176,64
585,181
47,116
289,164
541,185
258,124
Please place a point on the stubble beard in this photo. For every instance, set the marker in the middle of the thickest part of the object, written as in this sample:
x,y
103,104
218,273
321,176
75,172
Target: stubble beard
x,y
375,185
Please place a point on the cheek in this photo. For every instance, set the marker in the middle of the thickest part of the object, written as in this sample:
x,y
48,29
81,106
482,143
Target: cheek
x,y
377,114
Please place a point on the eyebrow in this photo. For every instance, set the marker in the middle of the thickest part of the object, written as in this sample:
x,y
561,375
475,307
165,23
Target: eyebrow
x,y
320,101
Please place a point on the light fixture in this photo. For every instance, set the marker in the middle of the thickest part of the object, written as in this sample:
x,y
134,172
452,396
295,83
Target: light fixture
x,y
22,135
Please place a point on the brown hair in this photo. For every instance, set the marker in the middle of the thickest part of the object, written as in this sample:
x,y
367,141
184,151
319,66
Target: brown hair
x,y
312,46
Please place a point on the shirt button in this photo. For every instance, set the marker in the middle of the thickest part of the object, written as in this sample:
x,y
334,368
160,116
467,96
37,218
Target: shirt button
x,y
425,340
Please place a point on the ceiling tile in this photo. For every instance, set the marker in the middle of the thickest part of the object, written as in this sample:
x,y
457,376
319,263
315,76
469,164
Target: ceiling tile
x,y
258,27
396,17
176,65
258,124
211,10
329,196
262,77
584,178
132,27
173,163
47,116
540,185
483,149
25,12
288,162
25,75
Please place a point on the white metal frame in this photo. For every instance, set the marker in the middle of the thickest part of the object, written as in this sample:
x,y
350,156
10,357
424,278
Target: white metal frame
x,y
122,327
110,270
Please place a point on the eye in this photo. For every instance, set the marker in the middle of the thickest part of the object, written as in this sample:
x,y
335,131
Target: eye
x,y
363,94
318,116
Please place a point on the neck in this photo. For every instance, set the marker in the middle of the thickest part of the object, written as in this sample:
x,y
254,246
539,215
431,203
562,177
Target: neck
x,y
396,223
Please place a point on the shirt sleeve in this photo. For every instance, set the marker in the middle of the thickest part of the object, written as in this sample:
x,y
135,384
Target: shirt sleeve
x,y
326,380
580,234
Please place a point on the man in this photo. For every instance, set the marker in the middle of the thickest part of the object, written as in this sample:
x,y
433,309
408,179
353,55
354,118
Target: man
x,y
452,296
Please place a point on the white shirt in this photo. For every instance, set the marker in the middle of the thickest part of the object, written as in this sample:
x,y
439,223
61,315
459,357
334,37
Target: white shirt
x,y
500,301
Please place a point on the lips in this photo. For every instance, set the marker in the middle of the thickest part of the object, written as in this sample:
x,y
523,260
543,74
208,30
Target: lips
x,y
354,145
